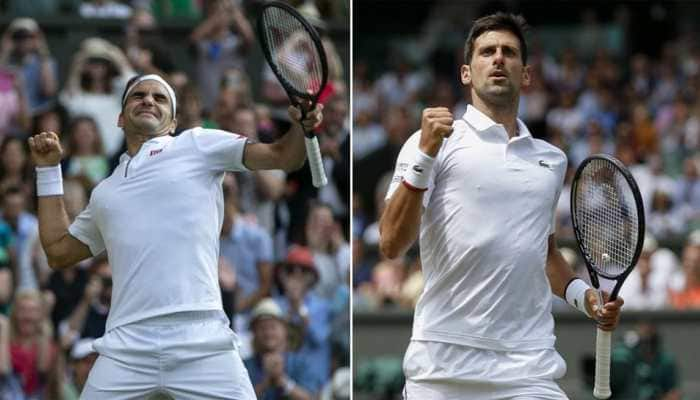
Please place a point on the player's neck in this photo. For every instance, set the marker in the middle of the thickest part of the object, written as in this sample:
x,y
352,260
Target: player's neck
x,y
134,141
504,115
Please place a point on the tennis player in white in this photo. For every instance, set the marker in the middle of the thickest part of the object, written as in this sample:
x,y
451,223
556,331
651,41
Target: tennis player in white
x,y
481,192
158,217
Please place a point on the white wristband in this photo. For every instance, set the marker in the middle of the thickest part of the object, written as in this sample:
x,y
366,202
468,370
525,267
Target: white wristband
x,y
49,181
576,294
417,174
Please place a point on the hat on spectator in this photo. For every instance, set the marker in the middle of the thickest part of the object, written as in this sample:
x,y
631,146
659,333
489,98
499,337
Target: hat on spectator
x,y
23,27
301,256
339,386
82,348
23,24
309,11
694,238
95,47
266,308
650,244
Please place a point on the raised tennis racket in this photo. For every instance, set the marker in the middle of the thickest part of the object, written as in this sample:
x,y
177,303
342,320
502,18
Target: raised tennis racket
x,y
608,221
295,53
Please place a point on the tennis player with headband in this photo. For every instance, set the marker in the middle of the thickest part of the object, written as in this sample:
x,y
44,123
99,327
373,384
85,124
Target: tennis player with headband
x,y
158,217
481,191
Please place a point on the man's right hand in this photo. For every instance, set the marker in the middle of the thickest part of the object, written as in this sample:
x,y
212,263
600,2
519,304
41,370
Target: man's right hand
x,y
45,149
436,125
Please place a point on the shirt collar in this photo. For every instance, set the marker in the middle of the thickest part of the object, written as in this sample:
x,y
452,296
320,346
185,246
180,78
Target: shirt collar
x,y
158,140
481,122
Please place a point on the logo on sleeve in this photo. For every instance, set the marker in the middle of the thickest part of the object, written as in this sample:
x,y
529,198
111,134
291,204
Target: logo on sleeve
x,y
154,152
544,164
418,169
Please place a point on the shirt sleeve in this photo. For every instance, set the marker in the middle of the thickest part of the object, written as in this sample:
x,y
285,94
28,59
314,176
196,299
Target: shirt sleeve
x,y
222,150
406,157
85,229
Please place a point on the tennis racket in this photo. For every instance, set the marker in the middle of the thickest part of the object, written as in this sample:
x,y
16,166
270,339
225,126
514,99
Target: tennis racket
x,y
295,54
608,221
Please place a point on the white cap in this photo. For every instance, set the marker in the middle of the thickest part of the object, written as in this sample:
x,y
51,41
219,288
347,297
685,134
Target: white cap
x,y
266,308
694,238
650,244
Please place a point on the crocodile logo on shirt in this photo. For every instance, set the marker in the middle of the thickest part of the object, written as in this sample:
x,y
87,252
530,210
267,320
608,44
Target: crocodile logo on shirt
x,y
418,169
154,152
544,164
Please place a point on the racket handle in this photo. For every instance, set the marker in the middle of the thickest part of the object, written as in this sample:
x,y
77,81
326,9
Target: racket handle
x,y
601,390
318,173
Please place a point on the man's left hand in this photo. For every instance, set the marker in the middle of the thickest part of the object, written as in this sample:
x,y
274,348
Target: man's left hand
x,y
607,315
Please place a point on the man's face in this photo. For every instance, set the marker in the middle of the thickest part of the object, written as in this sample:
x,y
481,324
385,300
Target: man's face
x,y
270,334
148,110
496,71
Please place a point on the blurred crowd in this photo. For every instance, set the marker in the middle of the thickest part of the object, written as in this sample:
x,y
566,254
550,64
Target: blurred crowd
x,y
642,108
284,254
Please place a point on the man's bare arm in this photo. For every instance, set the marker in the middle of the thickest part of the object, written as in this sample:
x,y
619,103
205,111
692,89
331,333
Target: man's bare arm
x,y
400,221
61,248
289,152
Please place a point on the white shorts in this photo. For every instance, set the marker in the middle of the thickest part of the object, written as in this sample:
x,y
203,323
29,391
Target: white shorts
x,y
443,371
189,355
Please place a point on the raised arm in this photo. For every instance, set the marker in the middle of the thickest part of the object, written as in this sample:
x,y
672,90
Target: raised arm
x,y
400,221
289,152
61,248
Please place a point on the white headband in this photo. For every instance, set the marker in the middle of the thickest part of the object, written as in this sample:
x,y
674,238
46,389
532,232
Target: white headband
x,y
152,77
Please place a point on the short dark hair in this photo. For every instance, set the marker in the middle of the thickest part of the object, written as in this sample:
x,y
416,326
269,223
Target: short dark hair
x,y
515,24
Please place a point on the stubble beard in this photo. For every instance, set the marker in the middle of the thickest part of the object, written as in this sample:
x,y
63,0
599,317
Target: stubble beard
x,y
498,96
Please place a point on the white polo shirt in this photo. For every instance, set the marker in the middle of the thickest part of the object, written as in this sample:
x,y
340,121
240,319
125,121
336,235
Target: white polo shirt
x,y
488,213
159,216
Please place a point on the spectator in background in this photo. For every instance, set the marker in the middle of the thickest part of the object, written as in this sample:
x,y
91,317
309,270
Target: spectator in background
x,y
642,369
219,48
665,218
647,286
334,142
331,252
24,226
689,296
189,110
15,166
24,48
246,249
14,114
397,123
50,120
85,158
89,318
97,77
687,193
259,192
144,46
306,312
276,372
31,347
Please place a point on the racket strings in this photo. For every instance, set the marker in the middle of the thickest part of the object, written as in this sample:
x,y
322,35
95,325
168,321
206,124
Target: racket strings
x,y
607,217
293,50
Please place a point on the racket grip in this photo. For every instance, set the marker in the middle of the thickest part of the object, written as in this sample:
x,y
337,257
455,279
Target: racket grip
x,y
318,173
601,389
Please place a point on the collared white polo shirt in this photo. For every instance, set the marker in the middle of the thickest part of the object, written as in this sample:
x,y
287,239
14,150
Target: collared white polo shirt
x,y
488,212
159,216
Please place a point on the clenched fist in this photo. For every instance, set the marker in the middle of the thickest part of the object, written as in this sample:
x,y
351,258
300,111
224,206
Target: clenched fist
x,y
45,149
436,125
